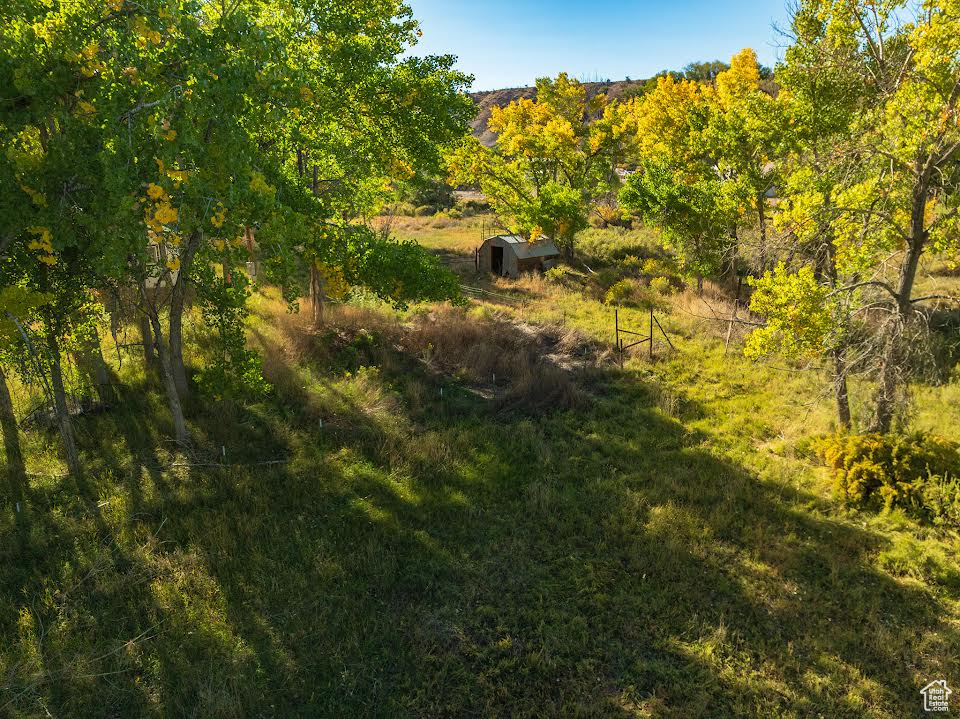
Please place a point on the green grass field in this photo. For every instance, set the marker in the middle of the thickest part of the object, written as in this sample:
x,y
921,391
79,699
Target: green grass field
x,y
394,531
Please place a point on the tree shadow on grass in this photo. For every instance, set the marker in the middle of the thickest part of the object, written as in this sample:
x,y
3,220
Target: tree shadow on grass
x,y
598,563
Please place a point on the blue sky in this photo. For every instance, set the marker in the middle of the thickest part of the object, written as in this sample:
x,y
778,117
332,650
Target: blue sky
x,y
509,43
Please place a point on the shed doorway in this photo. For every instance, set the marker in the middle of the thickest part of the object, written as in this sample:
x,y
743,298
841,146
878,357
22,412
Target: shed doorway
x,y
496,260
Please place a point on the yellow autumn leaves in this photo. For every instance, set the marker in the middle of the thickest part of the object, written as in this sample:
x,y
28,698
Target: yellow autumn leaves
x,y
259,184
146,35
158,214
219,215
42,244
335,285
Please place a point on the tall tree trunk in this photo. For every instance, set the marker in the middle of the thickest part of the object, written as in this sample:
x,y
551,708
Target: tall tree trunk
x,y
16,471
180,430
762,217
90,359
734,251
885,397
840,391
170,385
149,351
64,423
316,295
891,365
827,268
177,302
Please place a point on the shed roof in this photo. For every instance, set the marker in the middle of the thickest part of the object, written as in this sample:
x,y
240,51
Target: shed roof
x,y
525,249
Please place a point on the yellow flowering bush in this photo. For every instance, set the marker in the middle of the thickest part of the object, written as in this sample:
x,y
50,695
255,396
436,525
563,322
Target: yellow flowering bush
x,y
888,470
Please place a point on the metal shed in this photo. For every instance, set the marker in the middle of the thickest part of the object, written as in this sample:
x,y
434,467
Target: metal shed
x,y
511,255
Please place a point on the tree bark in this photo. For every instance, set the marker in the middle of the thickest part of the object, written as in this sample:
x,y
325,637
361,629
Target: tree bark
x,y
180,430
16,470
316,295
177,302
891,365
149,351
90,359
64,423
762,217
840,390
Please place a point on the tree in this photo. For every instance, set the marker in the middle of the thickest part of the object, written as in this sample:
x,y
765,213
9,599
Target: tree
x,y
717,138
743,136
689,211
704,71
166,130
15,302
887,75
678,186
555,159
818,106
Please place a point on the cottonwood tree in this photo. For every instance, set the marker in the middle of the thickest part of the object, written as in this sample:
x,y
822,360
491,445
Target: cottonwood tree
x,y
15,302
555,159
808,315
743,136
678,187
372,119
704,152
150,136
891,192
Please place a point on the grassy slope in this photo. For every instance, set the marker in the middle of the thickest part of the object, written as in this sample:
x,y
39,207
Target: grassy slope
x,y
660,550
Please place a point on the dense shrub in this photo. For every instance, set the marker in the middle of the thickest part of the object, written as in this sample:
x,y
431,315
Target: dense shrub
x,y
402,209
631,293
917,472
659,267
620,293
661,285
607,247
558,273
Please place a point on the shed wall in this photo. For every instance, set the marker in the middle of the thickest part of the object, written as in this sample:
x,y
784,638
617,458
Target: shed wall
x,y
510,265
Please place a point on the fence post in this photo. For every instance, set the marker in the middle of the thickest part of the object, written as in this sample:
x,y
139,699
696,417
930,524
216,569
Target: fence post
x,y
651,331
733,318
616,341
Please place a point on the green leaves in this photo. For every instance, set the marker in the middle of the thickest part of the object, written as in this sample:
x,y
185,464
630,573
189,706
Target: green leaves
x,y
169,128
799,312
555,159
690,210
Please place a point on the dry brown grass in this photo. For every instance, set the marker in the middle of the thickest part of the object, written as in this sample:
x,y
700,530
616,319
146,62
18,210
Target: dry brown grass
x,y
522,366
709,314
533,367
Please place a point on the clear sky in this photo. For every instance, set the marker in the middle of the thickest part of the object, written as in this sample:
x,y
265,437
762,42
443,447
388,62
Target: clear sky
x,y
509,43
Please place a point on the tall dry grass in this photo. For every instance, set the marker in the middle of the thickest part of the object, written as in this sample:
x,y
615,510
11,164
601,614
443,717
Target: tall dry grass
x,y
522,366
